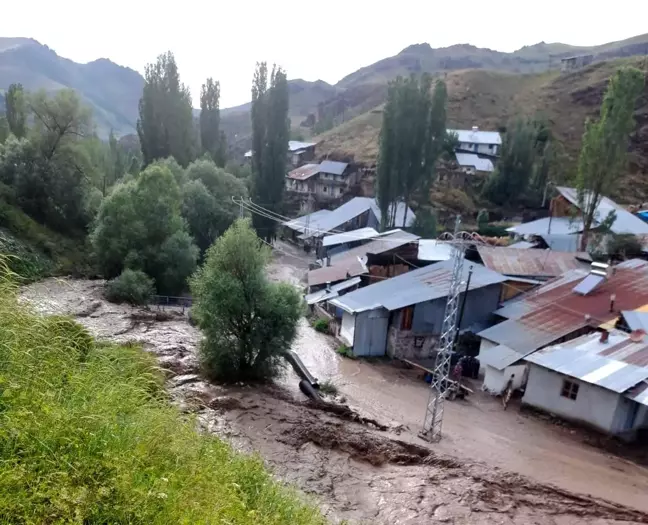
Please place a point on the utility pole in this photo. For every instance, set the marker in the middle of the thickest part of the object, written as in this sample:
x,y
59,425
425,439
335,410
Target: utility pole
x,y
441,377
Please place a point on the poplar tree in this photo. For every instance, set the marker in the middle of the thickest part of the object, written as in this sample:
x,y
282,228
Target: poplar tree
x,y
165,125
604,151
16,110
412,139
270,134
211,138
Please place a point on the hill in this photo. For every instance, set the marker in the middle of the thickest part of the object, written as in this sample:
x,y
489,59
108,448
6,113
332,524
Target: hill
x,y
489,99
112,91
365,89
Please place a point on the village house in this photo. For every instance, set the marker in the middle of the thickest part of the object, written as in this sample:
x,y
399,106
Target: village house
x,y
598,379
341,242
298,152
575,304
473,164
325,181
575,62
478,142
562,230
402,316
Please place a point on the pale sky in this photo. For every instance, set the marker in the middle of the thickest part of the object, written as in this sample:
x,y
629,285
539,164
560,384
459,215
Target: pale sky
x,y
311,40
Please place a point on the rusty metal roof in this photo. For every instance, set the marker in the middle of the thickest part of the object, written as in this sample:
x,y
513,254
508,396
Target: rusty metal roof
x,y
349,267
531,263
555,310
304,172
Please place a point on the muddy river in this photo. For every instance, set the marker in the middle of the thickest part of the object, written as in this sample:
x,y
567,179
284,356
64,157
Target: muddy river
x,y
491,467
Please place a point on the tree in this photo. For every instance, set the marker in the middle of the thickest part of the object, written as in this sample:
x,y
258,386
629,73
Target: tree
x,y
624,246
510,180
482,219
412,139
139,227
211,137
16,110
270,133
117,163
425,223
248,321
208,204
605,145
165,125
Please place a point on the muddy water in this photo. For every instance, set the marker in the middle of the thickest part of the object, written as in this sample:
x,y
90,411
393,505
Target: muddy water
x,y
353,471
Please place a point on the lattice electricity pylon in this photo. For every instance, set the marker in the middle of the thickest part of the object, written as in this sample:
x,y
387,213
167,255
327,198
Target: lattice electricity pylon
x,y
441,376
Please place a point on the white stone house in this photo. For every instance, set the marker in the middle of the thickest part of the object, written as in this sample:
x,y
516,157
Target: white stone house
x,y
479,142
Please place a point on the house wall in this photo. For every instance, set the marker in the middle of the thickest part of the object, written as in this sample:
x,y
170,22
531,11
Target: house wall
x,y
371,333
347,328
407,344
513,288
495,380
484,149
593,405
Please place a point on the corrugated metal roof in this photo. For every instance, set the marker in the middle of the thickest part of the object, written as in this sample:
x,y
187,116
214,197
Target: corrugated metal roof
x,y
559,226
499,357
349,267
477,137
304,172
354,208
311,221
416,286
618,365
350,236
325,295
433,250
522,245
563,243
530,263
636,320
625,221
555,310
294,145
383,243
474,161
333,166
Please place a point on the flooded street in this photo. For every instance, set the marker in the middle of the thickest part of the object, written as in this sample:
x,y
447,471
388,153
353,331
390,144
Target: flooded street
x,y
491,467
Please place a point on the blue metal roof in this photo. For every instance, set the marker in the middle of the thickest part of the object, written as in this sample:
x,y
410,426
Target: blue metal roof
x,y
350,236
416,286
333,291
332,166
311,221
548,226
382,243
636,320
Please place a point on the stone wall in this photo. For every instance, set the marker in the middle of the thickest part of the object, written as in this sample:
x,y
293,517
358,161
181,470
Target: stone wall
x,y
410,345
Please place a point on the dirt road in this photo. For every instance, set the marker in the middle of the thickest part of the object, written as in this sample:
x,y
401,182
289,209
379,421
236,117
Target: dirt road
x,y
358,473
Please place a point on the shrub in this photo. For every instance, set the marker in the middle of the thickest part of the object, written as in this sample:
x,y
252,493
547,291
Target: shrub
x,y
345,351
132,286
321,325
329,388
97,441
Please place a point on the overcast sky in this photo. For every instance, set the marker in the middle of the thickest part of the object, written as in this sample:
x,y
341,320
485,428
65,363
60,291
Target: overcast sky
x,y
311,40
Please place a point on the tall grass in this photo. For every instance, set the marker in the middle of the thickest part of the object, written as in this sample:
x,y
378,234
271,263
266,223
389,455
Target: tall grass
x,y
88,436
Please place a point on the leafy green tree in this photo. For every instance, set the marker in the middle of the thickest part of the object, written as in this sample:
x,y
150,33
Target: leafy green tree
x,y
139,226
117,166
624,246
178,172
165,125
413,136
211,138
510,180
604,151
270,133
16,110
248,321
207,201
4,129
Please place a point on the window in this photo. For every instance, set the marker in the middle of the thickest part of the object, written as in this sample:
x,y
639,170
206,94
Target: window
x,y
325,188
406,318
490,147
569,390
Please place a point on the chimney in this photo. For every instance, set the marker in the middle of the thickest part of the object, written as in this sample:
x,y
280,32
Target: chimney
x,y
328,260
604,336
612,299
328,286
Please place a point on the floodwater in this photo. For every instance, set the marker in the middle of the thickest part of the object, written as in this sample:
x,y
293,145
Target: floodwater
x,y
491,466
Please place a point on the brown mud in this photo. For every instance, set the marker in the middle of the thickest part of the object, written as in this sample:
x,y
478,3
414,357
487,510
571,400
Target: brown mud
x,y
355,471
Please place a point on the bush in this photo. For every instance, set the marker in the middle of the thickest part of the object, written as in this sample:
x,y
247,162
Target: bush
x,y
328,388
345,351
321,325
97,441
132,286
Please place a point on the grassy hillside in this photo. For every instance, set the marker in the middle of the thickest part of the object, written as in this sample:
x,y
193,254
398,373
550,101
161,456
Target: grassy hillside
x,y
87,435
489,99
110,90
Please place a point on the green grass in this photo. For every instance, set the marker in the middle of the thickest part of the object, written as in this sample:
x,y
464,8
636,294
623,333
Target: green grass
x,y
321,325
88,436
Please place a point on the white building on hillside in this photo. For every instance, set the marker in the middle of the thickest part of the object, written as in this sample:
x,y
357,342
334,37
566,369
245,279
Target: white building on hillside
x,y
476,141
